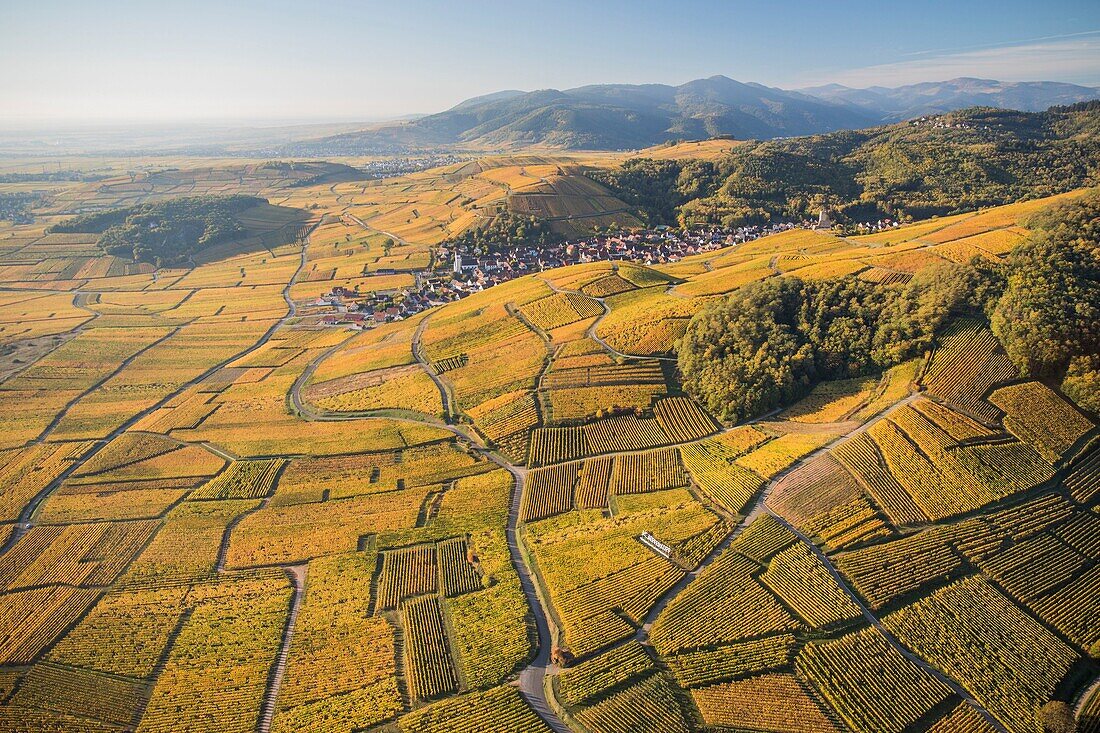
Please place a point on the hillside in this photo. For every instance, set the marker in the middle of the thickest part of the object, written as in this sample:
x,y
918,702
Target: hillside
x,y
954,162
221,510
625,116
445,203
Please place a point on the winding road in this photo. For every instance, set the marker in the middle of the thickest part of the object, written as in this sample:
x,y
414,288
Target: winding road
x,y
591,331
534,678
533,682
296,574
418,354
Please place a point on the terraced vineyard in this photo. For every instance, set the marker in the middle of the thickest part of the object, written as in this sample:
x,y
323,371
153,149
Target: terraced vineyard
x,y
219,513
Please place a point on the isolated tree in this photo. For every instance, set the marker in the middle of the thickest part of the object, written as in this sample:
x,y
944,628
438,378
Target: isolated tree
x,y
387,245
1057,717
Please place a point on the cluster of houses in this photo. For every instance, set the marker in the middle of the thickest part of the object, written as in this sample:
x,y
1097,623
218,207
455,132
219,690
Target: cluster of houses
x,y
400,166
881,225
343,306
663,245
472,272
940,122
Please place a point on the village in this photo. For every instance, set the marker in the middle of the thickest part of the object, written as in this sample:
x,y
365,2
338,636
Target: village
x,y
457,272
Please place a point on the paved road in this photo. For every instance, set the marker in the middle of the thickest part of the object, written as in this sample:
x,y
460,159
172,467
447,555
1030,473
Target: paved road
x,y
296,573
591,332
1084,695
418,354
532,678
303,378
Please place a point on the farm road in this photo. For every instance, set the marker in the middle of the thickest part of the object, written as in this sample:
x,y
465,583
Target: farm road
x,y
533,680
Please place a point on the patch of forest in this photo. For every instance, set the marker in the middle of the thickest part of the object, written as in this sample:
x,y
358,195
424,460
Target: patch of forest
x,y
164,233
770,342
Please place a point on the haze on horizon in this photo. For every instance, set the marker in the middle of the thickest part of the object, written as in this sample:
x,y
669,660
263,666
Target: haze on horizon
x,y
65,62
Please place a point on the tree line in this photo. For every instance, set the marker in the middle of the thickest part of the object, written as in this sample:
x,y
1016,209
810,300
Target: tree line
x,y
770,342
506,231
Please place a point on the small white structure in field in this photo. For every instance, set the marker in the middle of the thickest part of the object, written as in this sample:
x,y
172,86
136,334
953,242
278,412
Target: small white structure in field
x,y
656,545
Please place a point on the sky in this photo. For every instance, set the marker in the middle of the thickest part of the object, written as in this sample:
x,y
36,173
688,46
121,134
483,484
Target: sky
x,y
329,60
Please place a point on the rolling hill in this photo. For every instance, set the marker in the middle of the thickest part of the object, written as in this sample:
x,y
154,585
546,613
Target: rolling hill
x,y
914,100
220,512
954,162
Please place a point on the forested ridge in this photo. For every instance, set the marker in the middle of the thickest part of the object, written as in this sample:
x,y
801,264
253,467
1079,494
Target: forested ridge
x,y
949,163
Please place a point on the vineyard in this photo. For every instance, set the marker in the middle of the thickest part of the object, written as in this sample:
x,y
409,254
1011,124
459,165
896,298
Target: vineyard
x,y
772,702
1040,418
677,420
724,605
580,388
590,484
242,480
428,662
990,646
549,491
341,667
858,671
598,573
593,678
800,579
499,710
708,666
647,705
711,464
222,511
442,567
560,309
967,363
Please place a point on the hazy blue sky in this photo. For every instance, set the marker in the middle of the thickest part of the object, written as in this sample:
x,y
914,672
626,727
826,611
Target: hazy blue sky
x,y
237,59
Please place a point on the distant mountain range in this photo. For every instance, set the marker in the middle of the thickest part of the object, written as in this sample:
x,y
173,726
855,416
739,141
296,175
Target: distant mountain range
x,y
916,100
626,116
